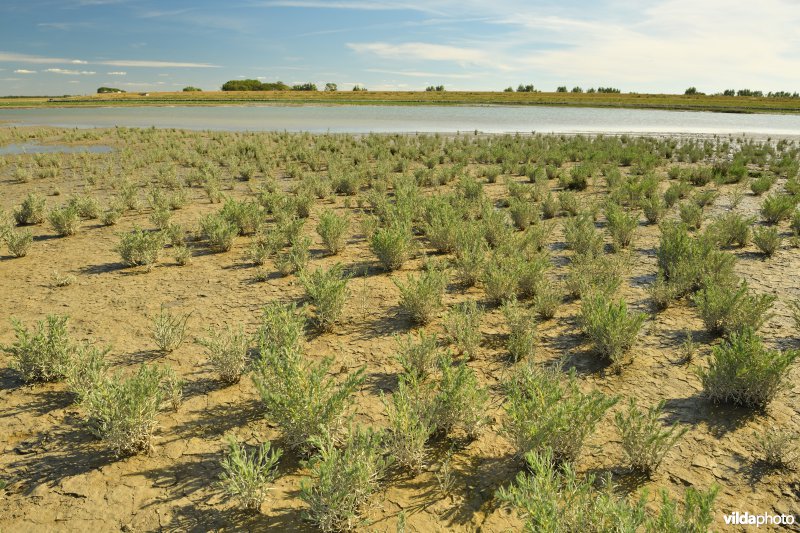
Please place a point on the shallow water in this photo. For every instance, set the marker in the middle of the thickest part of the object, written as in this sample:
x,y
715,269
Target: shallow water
x,y
35,148
408,119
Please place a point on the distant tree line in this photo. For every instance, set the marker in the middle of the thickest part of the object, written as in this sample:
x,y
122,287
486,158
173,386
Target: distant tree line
x,y
256,85
435,88
105,90
561,89
748,92
191,89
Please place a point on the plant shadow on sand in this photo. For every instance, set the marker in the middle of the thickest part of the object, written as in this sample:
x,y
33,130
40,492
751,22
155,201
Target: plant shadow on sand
x,y
697,409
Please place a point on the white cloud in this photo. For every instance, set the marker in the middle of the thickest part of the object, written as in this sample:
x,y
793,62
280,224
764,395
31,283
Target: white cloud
x,y
154,64
421,74
24,71
117,73
351,5
26,58
68,72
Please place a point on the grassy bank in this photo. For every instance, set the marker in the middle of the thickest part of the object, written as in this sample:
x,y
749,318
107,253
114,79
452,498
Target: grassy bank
x,y
718,103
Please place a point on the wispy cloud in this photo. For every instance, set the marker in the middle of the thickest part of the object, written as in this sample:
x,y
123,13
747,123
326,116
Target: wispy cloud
x,y
26,58
425,51
352,5
69,72
420,74
117,73
24,71
64,26
154,64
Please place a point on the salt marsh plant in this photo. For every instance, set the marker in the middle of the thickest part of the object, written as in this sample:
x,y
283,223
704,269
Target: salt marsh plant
x,y
421,295
168,330
18,242
460,403
247,475
522,337
219,232
644,440
245,216
282,326
392,245
462,326
418,356
600,274
31,211
546,409
726,308
332,228
300,397
327,291
742,371
777,207
43,354
691,214
227,352
777,448
732,229
767,239
609,325
470,257
343,479
64,220
581,235
410,424
621,226
140,247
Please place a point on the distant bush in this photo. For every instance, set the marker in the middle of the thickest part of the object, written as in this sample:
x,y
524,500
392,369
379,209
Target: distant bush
x,y
742,371
140,247
190,89
253,85
106,90
421,296
31,211
64,220
247,475
327,291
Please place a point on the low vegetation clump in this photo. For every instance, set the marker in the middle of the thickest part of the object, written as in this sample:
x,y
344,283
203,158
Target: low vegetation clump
x,y
332,228
610,326
644,440
742,371
327,291
462,325
140,247
778,448
247,475
343,479
411,424
219,232
18,242
777,207
31,211
460,402
421,296
621,226
547,410
418,356
168,330
727,309
43,354
392,245
228,353
282,326
64,220
767,239
522,337
300,397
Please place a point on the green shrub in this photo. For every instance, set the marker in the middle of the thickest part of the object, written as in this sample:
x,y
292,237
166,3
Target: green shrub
x,y
332,228
18,242
460,404
227,353
31,211
581,235
644,441
219,232
86,371
343,478
696,516
522,337
777,207
609,325
742,371
410,424
182,255
762,184
732,229
392,245
653,208
110,216
547,300
247,476
140,247
64,220
462,326
730,309
621,226
554,499
442,224
501,276
421,296
568,202
470,257
282,326
767,239
418,357
777,448
246,217
327,291
691,214
300,398
44,354
705,197
296,257
122,411
168,330
675,192
547,410
523,212
550,206
594,274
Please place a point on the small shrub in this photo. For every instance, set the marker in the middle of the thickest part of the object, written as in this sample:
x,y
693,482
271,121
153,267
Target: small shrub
x,y
522,337
459,404
742,371
327,291
227,353
691,214
653,208
31,211
410,425
219,232
582,237
644,441
332,228
594,274
168,330
296,257
501,276
696,516
777,448
182,255
140,247
245,216
300,398
548,299
392,245
462,325
762,184
110,216
732,229
343,480
421,296
44,354
19,242
64,220
418,357
777,207
122,411
547,410
87,369
609,325
442,224
767,239
247,476
470,258
621,226
730,308
282,326
523,212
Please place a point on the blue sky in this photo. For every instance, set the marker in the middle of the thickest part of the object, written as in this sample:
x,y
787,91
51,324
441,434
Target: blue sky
x,y
74,46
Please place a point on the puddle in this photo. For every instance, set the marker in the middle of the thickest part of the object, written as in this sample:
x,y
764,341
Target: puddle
x,y
35,148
